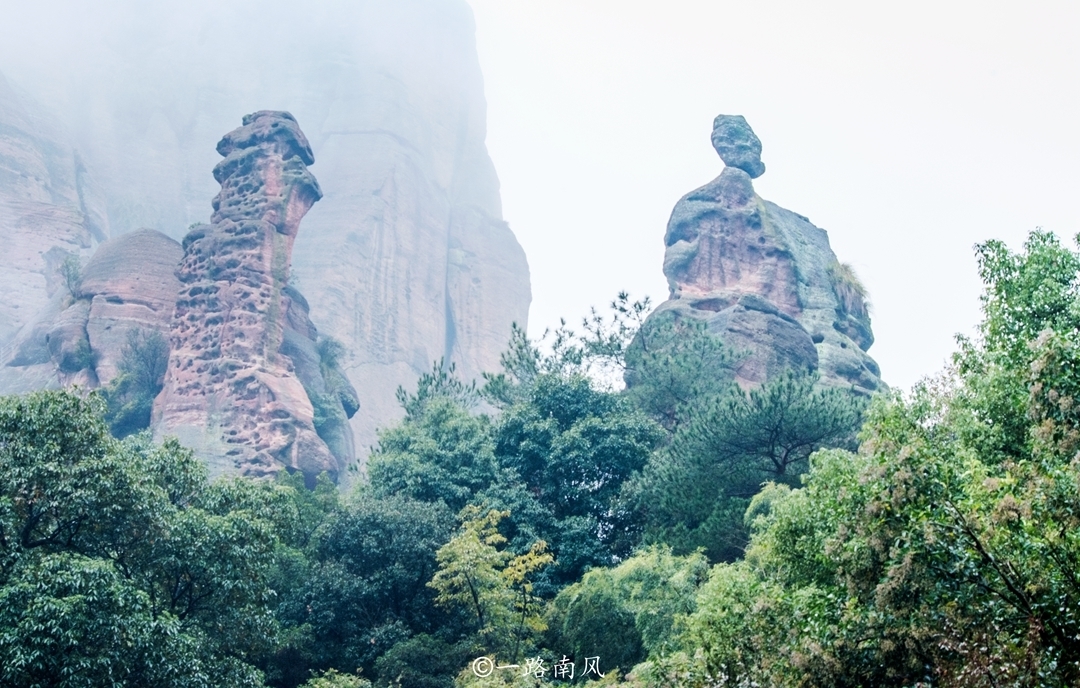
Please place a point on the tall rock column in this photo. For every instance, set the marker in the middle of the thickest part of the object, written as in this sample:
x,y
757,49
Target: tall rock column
x,y
229,392
405,260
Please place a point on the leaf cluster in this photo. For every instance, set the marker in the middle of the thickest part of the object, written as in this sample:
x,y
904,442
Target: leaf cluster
x,y
943,553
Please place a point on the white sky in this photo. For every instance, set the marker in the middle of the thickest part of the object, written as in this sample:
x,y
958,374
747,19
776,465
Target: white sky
x,y
908,130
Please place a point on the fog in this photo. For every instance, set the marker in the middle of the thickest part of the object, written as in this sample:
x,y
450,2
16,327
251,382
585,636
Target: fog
x,y
909,131
146,89
405,260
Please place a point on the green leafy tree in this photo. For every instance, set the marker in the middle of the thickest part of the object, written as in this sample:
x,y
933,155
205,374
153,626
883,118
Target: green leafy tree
x,y
71,274
424,661
440,452
71,620
945,552
494,585
573,447
556,458
140,377
360,588
625,613
98,536
695,491
332,678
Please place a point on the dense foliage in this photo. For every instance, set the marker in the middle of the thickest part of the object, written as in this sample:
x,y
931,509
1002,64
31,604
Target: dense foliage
x,y
946,551
547,517
140,376
119,563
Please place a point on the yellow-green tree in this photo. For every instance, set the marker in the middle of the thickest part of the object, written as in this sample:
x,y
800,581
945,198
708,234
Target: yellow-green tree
x,y
479,576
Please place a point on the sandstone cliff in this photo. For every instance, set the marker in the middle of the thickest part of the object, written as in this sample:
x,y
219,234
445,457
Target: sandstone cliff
x,y
764,278
49,211
230,392
129,285
406,259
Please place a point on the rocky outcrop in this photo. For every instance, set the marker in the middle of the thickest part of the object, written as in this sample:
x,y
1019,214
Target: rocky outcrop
x,y
127,286
406,259
316,362
131,285
764,278
49,211
737,144
232,392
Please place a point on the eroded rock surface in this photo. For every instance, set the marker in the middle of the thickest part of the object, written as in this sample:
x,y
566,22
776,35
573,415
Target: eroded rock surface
x,y
764,278
49,211
406,260
128,285
131,284
737,144
230,393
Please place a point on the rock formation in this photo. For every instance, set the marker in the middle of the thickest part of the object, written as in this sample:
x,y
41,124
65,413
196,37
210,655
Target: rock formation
x,y
764,278
49,211
406,259
128,285
231,390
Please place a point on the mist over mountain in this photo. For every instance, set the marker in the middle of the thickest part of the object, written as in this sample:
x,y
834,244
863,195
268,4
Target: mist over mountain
x,y
406,259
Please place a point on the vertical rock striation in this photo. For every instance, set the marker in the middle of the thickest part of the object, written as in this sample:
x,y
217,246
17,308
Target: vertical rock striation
x,y
49,212
764,278
230,392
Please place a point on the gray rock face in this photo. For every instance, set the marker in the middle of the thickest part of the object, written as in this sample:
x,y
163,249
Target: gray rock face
x,y
737,144
406,259
765,279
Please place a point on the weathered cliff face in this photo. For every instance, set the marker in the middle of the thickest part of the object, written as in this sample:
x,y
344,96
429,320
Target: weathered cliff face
x,y
128,285
230,392
406,259
49,211
764,278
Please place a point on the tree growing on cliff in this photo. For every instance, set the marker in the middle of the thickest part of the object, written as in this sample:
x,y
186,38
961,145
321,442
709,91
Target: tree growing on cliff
x,y
140,376
71,274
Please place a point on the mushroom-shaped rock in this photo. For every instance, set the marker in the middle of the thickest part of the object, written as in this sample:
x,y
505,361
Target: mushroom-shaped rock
x,y
737,144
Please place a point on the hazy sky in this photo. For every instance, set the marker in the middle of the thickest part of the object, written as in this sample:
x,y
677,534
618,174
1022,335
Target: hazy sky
x,y
909,131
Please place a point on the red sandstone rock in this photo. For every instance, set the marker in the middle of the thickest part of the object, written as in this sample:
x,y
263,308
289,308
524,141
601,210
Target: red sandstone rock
x,y
229,391
763,278
128,284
